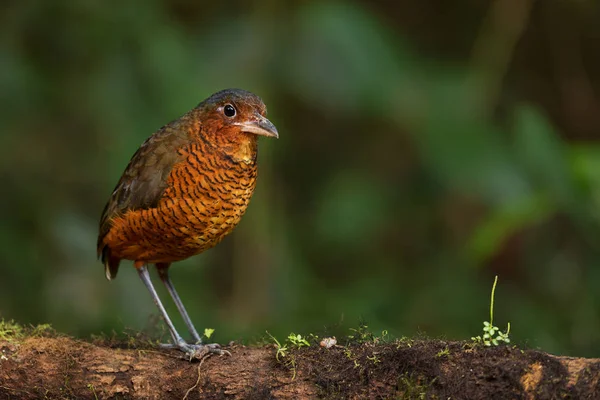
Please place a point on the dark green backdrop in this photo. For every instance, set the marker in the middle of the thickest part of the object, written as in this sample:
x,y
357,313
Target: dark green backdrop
x,y
425,146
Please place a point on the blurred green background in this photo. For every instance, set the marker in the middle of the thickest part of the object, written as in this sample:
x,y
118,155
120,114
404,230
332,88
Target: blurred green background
x,y
425,147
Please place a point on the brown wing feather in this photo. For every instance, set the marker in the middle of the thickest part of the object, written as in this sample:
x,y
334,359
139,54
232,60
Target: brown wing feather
x,y
144,180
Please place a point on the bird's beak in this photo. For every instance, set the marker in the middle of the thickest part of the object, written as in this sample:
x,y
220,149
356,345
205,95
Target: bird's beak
x,y
259,126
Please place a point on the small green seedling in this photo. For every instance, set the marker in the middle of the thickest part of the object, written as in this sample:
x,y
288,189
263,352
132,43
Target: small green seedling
x,y
297,340
208,332
10,330
492,336
443,353
281,350
361,334
93,390
374,358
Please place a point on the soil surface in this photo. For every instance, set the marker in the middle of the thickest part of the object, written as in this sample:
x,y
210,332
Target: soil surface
x,y
35,367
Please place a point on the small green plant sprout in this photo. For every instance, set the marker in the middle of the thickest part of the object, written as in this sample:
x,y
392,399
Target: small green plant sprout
x,y
93,390
374,358
361,334
313,337
492,336
294,340
384,336
404,341
208,332
443,353
10,330
297,340
281,350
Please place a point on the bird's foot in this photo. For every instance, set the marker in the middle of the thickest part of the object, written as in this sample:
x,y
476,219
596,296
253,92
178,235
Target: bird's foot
x,y
197,351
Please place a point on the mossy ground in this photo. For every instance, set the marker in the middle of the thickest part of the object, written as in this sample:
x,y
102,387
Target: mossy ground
x,y
361,365
11,331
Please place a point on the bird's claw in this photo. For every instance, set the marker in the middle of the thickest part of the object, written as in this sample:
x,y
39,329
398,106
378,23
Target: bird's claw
x,y
197,351
215,348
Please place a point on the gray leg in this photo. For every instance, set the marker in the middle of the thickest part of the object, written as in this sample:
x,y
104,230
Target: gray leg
x,y
163,273
193,351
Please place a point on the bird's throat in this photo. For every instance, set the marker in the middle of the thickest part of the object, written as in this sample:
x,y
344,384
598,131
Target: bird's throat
x,y
244,148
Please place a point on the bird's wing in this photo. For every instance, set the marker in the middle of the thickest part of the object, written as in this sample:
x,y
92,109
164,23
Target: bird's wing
x,y
145,178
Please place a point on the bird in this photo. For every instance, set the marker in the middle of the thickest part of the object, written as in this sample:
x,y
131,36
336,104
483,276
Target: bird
x,y
185,188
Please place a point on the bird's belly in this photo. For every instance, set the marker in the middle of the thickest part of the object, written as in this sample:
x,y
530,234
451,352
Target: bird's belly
x,y
205,232
178,228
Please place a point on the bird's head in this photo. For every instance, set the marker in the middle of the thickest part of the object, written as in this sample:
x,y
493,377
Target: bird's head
x,y
232,119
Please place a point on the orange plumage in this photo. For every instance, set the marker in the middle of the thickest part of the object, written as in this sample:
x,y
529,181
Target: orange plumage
x,y
187,186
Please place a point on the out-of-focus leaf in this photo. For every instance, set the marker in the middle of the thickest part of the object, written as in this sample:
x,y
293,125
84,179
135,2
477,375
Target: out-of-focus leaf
x,y
345,60
464,151
504,221
543,155
585,169
545,159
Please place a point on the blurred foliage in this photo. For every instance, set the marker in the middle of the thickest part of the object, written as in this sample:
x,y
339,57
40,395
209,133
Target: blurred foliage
x,y
425,147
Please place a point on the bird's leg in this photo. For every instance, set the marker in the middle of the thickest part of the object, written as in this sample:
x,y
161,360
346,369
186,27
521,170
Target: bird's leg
x,y
145,276
193,351
163,273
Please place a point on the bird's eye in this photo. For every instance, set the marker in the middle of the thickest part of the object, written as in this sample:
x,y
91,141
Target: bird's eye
x,y
229,110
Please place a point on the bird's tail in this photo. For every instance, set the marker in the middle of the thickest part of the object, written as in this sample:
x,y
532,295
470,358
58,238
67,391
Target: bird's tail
x,y
111,264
